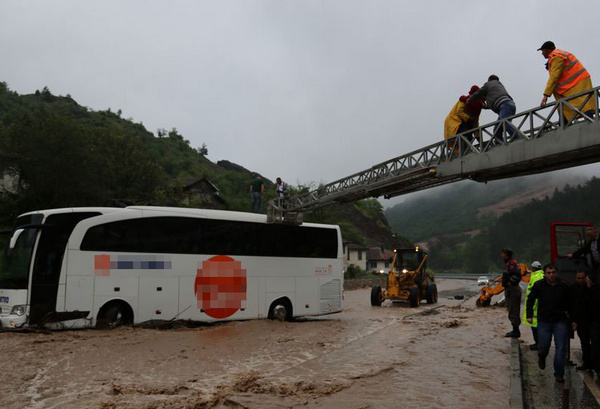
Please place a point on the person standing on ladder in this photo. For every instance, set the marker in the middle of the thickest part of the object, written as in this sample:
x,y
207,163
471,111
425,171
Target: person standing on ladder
x,y
498,100
567,77
462,117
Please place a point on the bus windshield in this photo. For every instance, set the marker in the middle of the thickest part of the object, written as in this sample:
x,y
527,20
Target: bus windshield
x,y
15,261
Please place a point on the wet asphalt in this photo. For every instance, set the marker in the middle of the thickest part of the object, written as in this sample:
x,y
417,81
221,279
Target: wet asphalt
x,y
541,391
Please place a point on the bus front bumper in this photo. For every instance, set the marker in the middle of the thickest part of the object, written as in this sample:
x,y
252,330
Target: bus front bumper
x,y
12,321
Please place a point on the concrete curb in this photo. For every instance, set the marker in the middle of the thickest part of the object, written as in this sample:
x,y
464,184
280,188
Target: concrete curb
x,y
591,384
516,384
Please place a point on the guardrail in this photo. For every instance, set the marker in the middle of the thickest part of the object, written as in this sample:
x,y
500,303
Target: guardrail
x,y
530,124
413,166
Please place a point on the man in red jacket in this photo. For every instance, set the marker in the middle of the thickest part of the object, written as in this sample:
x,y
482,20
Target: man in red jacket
x,y
510,281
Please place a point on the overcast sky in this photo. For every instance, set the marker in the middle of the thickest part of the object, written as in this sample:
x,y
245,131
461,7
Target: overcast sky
x,y
311,91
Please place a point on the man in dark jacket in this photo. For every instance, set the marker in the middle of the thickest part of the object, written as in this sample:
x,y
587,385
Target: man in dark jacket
x,y
552,295
583,313
498,100
591,247
510,281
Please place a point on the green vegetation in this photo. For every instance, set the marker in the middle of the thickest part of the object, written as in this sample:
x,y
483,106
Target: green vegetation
x,y
57,153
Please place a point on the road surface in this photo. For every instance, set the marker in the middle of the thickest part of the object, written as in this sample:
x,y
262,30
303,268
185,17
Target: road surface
x,y
365,357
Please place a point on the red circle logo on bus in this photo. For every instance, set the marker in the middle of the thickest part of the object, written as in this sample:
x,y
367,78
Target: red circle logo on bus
x,y
220,287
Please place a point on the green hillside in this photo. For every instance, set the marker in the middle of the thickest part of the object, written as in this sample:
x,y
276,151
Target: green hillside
x,y
57,153
462,237
448,210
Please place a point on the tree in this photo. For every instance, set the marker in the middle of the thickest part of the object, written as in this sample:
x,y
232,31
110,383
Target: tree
x,y
203,150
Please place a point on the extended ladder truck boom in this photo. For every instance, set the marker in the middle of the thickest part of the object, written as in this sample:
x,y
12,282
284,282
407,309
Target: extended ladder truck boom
x,y
544,141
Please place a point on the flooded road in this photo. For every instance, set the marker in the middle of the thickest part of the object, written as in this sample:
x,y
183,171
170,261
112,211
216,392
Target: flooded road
x,y
366,357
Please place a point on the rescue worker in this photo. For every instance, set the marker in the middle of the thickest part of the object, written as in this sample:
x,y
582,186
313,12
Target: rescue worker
x,y
498,100
510,281
462,117
567,77
536,275
553,299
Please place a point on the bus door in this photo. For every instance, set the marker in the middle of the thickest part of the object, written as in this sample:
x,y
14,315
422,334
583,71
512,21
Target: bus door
x,y
48,262
566,238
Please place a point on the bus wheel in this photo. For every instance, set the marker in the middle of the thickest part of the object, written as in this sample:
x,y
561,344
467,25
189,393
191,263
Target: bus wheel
x,y
281,310
114,315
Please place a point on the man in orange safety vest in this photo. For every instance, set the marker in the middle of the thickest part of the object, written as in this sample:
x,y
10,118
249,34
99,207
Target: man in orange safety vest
x,y
567,77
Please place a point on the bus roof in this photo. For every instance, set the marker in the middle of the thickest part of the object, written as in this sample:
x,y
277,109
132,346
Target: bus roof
x,y
211,214
47,212
149,211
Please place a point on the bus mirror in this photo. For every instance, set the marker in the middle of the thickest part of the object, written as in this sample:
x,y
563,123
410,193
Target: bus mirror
x,y
14,238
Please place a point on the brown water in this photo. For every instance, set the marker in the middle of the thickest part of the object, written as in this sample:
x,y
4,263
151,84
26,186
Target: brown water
x,y
365,357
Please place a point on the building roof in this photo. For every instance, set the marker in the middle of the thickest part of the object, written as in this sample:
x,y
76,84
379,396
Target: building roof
x,y
376,253
189,183
353,246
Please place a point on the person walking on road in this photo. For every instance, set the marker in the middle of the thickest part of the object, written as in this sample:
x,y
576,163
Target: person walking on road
x,y
552,295
510,281
536,275
567,76
498,100
584,313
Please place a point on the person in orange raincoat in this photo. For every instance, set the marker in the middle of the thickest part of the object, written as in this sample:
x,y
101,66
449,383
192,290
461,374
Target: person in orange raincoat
x,y
567,77
463,115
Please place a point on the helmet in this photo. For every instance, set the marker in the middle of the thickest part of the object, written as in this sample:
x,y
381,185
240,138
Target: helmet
x,y
536,264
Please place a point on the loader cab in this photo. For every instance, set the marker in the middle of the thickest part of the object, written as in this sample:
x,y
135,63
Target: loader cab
x,y
566,238
407,280
409,259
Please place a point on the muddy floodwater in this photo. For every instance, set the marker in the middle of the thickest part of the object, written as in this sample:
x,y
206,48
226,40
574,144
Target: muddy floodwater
x,y
366,357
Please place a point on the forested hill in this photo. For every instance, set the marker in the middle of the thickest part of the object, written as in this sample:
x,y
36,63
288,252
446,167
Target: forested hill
x,y
57,153
467,206
467,225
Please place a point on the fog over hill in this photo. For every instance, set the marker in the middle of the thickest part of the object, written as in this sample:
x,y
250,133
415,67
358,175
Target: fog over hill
x,y
464,225
464,206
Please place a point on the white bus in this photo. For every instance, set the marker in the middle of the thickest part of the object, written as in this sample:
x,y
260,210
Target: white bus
x,y
86,267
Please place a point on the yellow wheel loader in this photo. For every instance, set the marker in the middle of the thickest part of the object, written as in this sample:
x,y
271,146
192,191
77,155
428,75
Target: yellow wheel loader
x,y
407,280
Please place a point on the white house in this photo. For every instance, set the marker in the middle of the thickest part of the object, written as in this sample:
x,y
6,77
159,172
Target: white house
x,y
378,259
356,255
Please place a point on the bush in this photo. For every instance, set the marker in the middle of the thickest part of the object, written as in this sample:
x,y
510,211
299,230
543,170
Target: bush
x,y
354,272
